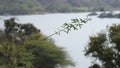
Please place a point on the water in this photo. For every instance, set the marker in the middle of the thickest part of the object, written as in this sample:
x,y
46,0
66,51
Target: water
x,y
75,41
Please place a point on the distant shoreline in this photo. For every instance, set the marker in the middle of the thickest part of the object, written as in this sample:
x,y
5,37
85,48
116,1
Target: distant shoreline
x,y
44,13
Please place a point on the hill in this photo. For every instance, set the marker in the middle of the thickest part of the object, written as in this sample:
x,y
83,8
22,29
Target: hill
x,y
42,6
19,6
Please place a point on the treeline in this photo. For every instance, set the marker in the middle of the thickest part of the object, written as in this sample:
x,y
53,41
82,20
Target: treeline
x,y
42,6
19,7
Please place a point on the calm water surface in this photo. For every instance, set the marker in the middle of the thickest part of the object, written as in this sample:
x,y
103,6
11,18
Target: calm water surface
x,y
75,41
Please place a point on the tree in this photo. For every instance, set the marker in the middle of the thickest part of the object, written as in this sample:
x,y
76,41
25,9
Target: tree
x,y
46,53
22,45
12,48
105,47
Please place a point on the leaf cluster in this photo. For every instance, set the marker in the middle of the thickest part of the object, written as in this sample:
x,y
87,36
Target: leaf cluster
x,y
105,47
75,24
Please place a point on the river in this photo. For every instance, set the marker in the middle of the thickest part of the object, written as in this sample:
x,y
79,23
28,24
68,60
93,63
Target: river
x,y
74,42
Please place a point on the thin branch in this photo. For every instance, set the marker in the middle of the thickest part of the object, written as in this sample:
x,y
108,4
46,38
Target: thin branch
x,y
75,24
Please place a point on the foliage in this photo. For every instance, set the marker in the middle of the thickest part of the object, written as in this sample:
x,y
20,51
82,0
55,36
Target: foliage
x,y
41,6
105,47
21,46
75,24
47,54
19,7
